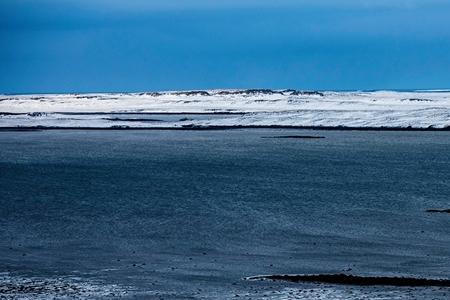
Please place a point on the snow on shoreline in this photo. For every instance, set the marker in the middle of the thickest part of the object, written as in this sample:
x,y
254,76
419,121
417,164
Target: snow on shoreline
x,y
421,109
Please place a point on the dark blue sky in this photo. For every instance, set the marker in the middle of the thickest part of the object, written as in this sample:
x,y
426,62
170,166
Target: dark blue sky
x,y
112,45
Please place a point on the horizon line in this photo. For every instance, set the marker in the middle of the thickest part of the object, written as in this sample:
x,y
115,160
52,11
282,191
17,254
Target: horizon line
x,y
436,90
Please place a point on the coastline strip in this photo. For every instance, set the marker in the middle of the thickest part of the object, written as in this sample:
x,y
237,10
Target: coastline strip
x,y
356,280
221,127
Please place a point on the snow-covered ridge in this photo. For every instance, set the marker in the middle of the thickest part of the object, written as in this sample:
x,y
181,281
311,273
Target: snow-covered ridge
x,y
253,107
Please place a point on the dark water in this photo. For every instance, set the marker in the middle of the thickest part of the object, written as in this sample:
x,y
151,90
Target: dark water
x,y
188,214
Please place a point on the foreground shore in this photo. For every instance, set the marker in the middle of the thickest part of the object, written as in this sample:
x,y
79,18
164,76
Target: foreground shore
x,y
131,214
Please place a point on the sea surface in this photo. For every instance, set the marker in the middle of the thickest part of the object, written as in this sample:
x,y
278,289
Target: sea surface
x,y
190,214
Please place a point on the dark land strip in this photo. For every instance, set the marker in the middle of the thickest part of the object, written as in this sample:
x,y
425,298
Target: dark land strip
x,y
357,280
438,211
220,127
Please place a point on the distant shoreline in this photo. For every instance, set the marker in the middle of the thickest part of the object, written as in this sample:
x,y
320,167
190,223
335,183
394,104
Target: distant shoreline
x,y
211,128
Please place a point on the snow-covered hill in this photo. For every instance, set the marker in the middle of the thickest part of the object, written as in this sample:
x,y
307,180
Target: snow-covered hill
x,y
418,109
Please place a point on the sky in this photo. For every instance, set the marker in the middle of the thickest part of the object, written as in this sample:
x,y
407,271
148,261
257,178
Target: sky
x,y
55,46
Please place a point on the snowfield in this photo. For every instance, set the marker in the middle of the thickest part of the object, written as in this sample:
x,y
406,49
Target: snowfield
x,y
212,108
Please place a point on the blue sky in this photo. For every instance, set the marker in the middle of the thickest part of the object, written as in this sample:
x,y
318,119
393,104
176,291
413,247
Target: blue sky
x,y
112,45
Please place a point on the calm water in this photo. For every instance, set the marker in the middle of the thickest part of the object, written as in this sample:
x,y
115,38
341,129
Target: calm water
x,y
188,214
